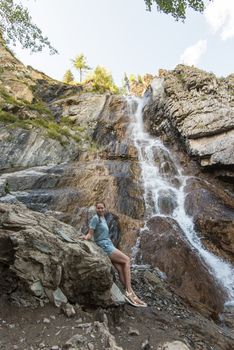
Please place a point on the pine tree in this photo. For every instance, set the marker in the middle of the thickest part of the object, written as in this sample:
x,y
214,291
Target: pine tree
x,y
80,63
102,80
68,77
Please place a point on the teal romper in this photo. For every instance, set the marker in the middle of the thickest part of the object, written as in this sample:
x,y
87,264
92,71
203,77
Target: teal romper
x,y
101,234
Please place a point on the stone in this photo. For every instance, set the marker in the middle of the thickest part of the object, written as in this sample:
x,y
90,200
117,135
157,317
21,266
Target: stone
x,y
46,320
175,345
145,345
59,297
117,295
68,310
77,342
91,346
133,331
37,289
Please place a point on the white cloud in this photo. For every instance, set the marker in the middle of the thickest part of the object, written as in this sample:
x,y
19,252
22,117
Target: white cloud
x,y
220,16
192,54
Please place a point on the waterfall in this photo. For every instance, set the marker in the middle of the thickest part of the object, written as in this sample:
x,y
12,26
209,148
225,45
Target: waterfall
x,y
164,196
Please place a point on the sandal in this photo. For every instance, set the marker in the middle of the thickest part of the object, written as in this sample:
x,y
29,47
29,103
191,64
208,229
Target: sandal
x,y
134,300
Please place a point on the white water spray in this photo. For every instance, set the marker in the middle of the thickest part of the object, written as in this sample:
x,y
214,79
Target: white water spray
x,y
164,193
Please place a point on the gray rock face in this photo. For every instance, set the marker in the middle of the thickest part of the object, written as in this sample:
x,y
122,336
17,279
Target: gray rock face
x,y
198,108
83,109
24,148
48,258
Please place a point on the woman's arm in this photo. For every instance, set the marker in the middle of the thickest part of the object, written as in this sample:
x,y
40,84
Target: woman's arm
x,y
89,235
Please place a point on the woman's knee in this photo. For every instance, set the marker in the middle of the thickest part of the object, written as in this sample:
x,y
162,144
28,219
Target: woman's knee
x,y
127,260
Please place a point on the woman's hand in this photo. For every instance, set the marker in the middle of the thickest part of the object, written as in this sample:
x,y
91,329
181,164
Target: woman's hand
x,y
88,236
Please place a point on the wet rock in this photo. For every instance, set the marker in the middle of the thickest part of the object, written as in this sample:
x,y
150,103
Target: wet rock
x,y
213,216
183,267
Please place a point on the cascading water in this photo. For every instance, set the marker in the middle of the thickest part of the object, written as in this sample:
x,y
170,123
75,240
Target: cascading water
x,y
164,193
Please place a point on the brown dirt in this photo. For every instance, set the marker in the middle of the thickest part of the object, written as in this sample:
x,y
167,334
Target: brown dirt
x,y
48,328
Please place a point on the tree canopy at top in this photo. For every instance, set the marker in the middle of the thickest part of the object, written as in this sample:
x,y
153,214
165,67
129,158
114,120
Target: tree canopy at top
x,y
16,25
177,8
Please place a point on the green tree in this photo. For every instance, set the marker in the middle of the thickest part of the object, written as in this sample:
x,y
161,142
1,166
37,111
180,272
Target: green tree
x,y
139,79
132,78
68,77
177,8
16,25
102,81
80,63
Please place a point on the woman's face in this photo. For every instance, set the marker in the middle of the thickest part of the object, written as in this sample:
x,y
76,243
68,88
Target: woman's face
x,y
100,208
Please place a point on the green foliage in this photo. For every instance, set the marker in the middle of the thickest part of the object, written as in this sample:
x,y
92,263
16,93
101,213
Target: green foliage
x,y
53,134
16,25
102,81
37,106
7,188
61,132
6,117
132,78
68,77
80,63
67,121
139,79
93,147
177,8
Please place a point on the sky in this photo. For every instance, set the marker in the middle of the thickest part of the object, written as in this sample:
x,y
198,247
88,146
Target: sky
x,y
125,38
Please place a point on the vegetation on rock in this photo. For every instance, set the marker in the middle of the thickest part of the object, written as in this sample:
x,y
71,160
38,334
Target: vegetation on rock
x,y
16,113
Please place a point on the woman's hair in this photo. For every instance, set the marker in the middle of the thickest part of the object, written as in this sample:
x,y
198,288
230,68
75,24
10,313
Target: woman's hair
x,y
100,202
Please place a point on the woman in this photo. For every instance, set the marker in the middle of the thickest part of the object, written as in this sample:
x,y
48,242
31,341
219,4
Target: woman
x,y
98,229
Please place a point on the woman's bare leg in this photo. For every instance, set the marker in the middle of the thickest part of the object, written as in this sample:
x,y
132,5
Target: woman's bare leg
x,y
122,263
119,258
120,272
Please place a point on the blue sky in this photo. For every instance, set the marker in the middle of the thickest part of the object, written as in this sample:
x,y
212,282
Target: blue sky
x,y
123,37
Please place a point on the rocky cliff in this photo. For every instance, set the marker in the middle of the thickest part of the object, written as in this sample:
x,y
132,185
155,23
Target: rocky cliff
x,y
63,148
197,108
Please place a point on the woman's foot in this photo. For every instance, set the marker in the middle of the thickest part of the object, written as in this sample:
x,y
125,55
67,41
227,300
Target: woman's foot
x,y
133,299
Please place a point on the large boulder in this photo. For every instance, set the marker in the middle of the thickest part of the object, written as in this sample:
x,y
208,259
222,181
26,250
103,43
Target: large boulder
x,y
163,245
45,257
